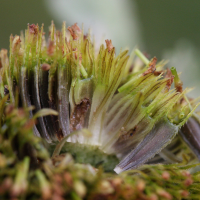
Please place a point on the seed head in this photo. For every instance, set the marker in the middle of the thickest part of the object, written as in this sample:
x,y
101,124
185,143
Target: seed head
x,y
128,110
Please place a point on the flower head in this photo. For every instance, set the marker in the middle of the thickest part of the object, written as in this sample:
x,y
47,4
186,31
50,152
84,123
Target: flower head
x,y
129,110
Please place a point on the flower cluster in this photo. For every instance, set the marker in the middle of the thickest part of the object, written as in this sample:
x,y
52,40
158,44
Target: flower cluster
x,y
116,104
31,174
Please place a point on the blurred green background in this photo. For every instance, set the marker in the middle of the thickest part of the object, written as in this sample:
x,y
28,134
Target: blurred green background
x,y
165,29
